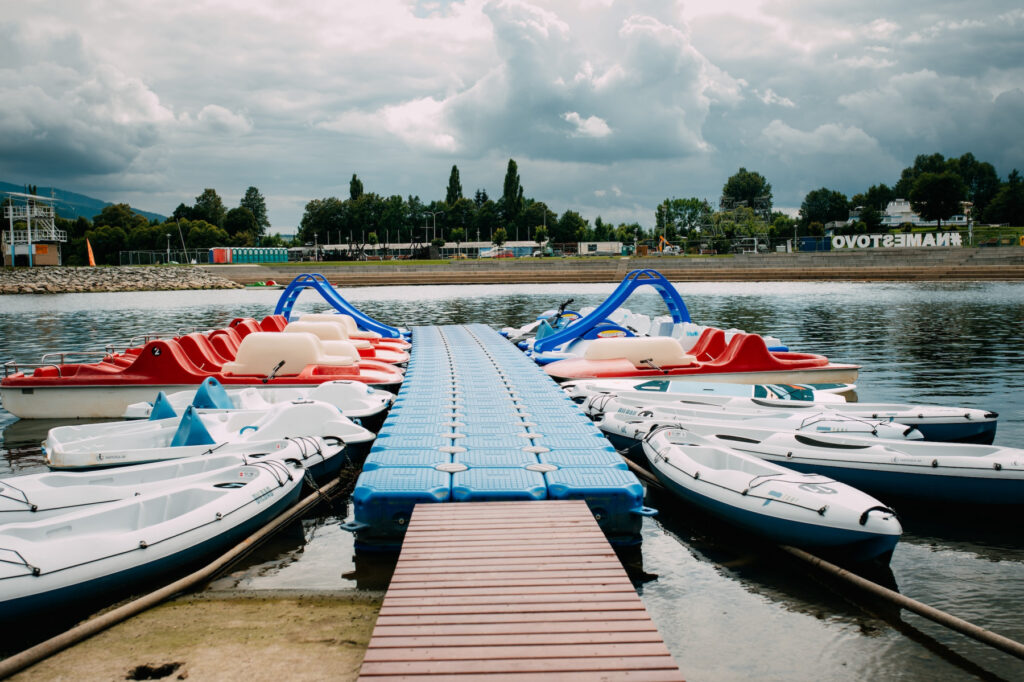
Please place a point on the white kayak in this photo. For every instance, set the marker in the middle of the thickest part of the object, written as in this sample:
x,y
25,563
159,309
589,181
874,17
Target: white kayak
x,y
39,496
59,564
359,402
786,507
581,389
934,422
109,444
625,425
922,470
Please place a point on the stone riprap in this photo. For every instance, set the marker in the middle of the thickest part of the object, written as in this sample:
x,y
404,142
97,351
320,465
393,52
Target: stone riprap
x,y
64,280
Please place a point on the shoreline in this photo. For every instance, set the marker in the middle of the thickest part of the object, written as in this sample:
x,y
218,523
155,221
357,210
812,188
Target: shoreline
x,y
925,264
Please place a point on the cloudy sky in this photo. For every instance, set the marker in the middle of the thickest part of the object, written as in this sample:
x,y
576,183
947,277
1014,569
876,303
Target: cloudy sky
x,y
608,107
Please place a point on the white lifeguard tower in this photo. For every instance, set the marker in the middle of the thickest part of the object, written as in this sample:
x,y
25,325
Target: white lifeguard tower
x,y
30,236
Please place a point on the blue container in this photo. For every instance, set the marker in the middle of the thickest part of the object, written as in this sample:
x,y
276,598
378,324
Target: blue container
x,y
422,441
496,458
383,499
615,497
573,459
492,441
405,458
479,427
572,441
497,484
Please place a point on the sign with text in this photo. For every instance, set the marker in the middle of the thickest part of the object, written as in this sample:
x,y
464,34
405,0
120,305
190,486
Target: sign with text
x,y
896,241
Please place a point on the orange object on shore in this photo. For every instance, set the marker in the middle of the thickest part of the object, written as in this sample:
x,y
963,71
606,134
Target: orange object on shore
x,y
88,247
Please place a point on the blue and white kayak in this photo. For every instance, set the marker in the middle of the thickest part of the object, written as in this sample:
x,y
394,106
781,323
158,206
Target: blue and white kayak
x,y
927,471
783,506
58,564
932,422
581,389
90,446
356,400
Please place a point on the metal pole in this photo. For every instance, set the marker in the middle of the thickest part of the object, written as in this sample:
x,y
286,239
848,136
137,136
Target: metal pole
x,y
28,229
10,213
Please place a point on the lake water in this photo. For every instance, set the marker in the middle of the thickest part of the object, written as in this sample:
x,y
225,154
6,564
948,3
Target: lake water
x,y
728,610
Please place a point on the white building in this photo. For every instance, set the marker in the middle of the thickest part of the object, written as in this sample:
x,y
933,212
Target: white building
x,y
899,212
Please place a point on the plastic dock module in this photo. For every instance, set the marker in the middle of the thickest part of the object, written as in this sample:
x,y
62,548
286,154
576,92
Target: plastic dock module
x,y
484,423
512,591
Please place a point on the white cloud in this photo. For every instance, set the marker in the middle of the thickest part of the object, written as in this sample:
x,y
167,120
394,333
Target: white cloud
x,y
217,119
829,138
769,96
591,126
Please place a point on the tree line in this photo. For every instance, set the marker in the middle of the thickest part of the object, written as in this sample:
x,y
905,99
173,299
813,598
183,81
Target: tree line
x,y
369,218
936,187
203,225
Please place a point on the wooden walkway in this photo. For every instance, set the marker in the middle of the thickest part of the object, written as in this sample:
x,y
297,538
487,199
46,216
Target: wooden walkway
x,y
512,591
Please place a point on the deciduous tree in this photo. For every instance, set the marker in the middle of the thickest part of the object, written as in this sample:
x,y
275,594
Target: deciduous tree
x,y
210,208
937,196
748,188
823,206
1008,204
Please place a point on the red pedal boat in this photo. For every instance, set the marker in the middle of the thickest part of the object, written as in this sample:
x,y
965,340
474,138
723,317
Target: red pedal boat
x,y
240,355
744,360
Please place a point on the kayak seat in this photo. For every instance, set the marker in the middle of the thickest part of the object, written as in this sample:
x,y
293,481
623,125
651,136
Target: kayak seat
x,y
223,345
354,331
261,352
245,326
230,337
709,345
273,323
201,352
326,331
191,431
748,352
661,351
211,396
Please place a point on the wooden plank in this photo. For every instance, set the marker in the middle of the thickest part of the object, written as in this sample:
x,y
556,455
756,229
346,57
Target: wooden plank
x,y
512,591
522,665
537,676
513,639
539,651
582,617
513,627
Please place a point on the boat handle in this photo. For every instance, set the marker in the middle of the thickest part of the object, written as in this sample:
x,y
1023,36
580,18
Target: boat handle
x,y
864,516
273,372
644,511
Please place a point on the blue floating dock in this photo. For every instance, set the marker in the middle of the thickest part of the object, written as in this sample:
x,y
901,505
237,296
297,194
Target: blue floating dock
x,y
477,421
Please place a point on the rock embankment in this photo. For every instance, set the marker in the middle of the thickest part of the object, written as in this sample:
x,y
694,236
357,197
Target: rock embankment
x,y
64,280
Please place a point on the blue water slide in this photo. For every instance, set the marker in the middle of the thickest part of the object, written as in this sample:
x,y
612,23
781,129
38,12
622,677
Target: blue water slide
x,y
635,279
320,284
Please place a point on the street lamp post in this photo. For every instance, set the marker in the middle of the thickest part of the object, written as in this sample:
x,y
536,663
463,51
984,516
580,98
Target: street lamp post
x,y
433,229
168,247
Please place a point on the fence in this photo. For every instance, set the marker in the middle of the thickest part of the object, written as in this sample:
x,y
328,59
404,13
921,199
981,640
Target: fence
x,y
172,256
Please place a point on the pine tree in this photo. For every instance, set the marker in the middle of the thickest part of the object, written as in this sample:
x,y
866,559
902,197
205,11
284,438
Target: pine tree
x,y
255,202
512,197
454,187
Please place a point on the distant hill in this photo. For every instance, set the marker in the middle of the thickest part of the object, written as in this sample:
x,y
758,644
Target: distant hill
x,y
70,205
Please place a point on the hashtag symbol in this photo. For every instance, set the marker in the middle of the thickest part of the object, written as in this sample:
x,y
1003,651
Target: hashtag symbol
x,y
955,240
